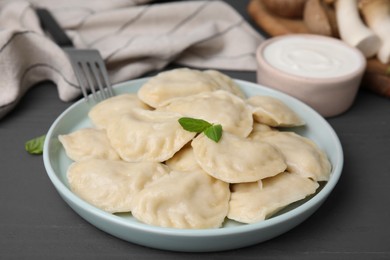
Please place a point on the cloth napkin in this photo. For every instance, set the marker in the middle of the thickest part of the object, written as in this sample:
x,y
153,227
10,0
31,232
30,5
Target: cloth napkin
x,y
134,37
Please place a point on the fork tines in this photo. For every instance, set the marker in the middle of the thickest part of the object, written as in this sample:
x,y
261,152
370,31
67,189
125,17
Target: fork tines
x,y
91,73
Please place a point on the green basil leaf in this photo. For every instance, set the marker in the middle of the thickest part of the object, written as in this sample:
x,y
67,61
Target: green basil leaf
x,y
214,132
35,146
193,124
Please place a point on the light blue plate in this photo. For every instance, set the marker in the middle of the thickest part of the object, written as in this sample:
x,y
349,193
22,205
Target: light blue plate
x,y
232,235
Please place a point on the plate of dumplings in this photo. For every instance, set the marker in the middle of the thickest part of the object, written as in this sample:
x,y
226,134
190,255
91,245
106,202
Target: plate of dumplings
x,y
128,166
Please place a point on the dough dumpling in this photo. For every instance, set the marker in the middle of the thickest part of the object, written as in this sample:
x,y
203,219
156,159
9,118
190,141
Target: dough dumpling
x,y
88,143
301,154
190,199
251,202
111,185
259,128
109,109
175,83
273,112
148,135
183,160
183,82
234,159
225,82
218,107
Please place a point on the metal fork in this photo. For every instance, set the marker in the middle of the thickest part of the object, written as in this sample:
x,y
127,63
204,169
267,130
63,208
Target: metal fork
x,y
87,64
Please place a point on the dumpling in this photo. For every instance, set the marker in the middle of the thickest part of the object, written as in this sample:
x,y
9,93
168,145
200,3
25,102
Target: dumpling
x,y
259,128
184,82
301,154
273,112
219,107
184,160
175,83
148,135
107,110
88,143
190,199
225,82
111,185
251,202
234,159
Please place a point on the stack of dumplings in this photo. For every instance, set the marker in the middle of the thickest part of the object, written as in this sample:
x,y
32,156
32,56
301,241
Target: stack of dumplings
x,y
138,159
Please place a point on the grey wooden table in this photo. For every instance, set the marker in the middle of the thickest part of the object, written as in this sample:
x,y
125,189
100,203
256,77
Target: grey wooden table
x,y
353,223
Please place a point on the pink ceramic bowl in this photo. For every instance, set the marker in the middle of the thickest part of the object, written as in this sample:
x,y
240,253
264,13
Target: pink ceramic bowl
x,y
321,71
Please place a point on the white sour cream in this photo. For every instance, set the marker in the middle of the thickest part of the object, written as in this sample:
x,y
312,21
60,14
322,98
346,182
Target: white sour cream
x,y
312,58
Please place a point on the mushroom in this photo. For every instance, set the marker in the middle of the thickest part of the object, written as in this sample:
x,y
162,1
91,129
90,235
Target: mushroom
x,y
376,14
285,8
315,16
331,14
353,30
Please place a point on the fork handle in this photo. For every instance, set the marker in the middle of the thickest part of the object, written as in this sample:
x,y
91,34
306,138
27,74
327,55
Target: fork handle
x,y
50,25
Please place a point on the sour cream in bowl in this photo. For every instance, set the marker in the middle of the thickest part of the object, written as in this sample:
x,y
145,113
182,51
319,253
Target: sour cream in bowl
x,y
321,71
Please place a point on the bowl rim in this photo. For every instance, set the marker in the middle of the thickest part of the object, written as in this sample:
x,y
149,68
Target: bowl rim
x,y
313,202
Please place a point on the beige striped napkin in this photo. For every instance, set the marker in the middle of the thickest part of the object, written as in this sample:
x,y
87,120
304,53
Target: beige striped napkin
x,y
134,37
